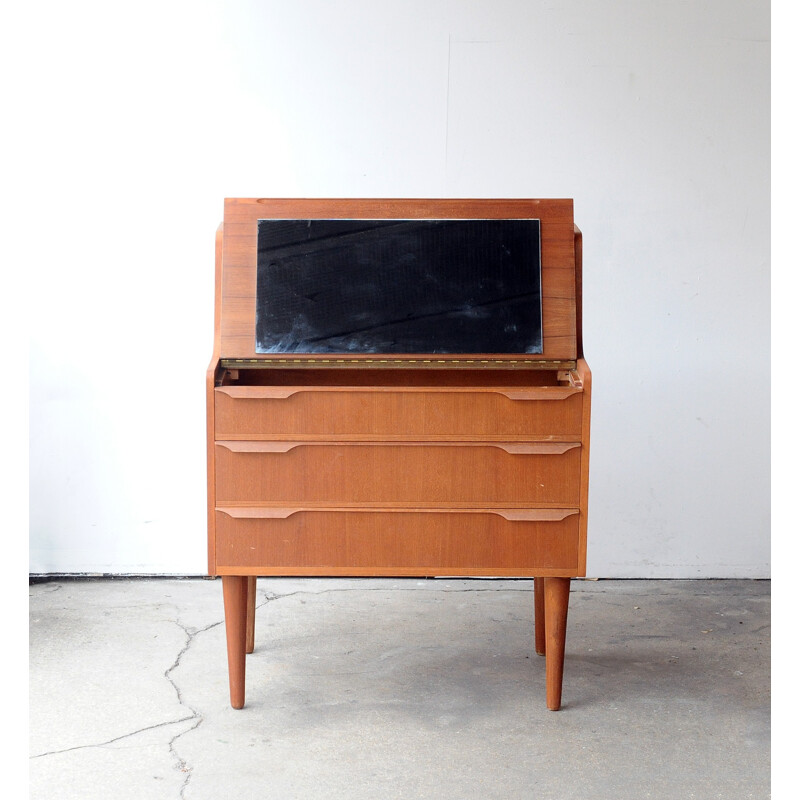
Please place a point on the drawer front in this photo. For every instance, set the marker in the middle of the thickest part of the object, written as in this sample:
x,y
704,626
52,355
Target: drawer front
x,y
249,412
289,472
393,542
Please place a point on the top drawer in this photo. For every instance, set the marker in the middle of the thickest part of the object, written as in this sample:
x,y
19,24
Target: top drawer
x,y
252,412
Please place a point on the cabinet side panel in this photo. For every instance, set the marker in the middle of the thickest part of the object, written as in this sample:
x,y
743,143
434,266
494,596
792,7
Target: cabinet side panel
x,y
211,471
578,246
211,375
586,378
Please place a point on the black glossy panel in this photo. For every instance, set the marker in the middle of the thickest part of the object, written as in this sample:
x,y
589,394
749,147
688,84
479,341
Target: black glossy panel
x,y
399,286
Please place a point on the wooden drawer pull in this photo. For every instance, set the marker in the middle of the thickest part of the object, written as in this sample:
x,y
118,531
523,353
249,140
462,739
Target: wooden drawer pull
x,y
540,393
284,392
510,514
260,447
514,448
536,514
259,392
536,448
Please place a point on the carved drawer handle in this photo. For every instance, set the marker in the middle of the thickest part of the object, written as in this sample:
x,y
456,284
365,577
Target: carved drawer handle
x,y
246,446
258,392
537,448
510,514
540,393
513,448
284,392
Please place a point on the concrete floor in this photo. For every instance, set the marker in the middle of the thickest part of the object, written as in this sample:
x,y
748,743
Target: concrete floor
x,y
399,689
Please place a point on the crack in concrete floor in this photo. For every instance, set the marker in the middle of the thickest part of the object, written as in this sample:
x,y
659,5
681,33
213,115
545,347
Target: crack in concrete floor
x,y
191,635
180,763
111,741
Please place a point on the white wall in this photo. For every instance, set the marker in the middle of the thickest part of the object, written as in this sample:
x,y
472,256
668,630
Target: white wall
x,y
132,126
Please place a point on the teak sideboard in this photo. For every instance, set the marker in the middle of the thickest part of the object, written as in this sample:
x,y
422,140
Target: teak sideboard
x,y
413,464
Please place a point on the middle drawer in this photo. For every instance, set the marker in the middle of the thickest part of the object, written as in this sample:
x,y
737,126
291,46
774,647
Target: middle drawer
x,y
525,473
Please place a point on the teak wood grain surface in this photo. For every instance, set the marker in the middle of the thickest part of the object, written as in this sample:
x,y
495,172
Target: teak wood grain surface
x,y
476,465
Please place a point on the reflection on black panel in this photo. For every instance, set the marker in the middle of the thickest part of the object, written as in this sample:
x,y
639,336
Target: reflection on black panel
x,y
398,286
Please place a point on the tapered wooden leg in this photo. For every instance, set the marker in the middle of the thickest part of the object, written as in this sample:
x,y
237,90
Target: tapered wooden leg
x,y
234,594
538,615
556,603
251,614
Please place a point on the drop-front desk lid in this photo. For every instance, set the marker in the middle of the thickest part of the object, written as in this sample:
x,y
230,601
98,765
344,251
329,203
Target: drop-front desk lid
x,y
337,283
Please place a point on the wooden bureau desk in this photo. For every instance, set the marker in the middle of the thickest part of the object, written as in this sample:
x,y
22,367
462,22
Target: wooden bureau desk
x,y
361,463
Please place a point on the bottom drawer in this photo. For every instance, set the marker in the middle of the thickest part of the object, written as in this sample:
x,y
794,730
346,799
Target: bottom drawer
x,y
394,542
